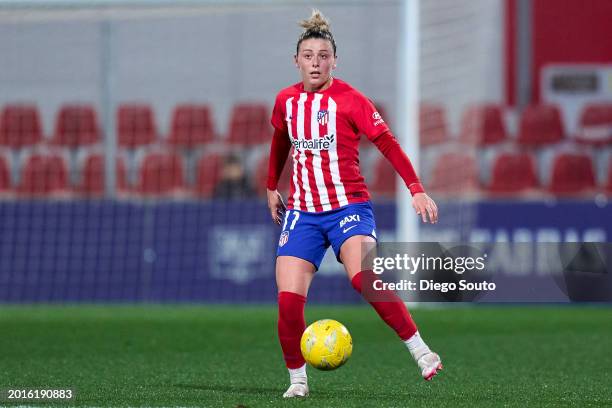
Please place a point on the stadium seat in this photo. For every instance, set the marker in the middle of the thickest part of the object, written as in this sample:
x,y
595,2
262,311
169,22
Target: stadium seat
x,y
191,126
540,125
20,126
572,173
43,175
161,173
135,126
384,178
5,174
93,176
596,124
249,124
483,125
261,176
454,173
513,173
432,125
208,174
75,126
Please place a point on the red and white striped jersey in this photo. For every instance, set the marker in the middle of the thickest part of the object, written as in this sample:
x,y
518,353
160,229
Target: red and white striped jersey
x,y
324,128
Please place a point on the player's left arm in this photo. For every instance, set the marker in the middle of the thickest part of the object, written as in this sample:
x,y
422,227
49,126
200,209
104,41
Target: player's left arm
x,y
368,121
423,204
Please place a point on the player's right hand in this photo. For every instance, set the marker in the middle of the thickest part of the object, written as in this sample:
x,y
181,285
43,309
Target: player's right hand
x,y
276,206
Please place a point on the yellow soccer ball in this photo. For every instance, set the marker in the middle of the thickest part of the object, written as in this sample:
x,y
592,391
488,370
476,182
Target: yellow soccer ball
x,y
326,344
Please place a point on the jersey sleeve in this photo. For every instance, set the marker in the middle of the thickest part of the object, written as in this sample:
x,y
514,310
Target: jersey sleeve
x,y
278,115
279,150
366,117
389,147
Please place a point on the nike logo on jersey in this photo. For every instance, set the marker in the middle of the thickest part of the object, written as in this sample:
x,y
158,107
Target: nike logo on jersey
x,y
344,231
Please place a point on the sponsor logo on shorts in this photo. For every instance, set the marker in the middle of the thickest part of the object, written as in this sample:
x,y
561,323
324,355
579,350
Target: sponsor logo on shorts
x,y
344,231
284,237
349,218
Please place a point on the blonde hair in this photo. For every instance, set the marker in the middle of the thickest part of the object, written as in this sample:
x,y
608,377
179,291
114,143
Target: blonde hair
x,y
317,26
316,22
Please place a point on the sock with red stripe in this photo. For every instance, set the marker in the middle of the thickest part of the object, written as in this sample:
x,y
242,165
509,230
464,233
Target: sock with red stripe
x,y
291,325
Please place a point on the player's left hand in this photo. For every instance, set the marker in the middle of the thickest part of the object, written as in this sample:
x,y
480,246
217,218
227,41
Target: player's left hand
x,y
424,205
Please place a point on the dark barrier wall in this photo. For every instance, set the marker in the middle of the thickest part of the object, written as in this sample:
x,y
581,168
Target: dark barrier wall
x,y
83,251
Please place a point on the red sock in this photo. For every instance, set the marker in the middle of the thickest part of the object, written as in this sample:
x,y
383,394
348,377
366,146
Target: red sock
x,y
393,311
291,325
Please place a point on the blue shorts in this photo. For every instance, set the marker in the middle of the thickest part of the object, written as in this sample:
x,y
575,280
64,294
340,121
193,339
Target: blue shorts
x,y
307,235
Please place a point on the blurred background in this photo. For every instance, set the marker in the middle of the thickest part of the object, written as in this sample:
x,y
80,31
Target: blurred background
x,y
134,136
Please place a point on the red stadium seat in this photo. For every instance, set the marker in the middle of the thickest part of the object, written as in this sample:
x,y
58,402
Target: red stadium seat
x,y
261,176
93,176
191,126
572,173
596,124
513,173
432,125
20,126
540,125
135,125
483,125
76,125
161,173
454,173
208,174
5,174
44,174
250,124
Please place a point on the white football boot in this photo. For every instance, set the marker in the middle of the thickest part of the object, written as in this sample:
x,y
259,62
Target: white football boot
x,y
297,390
429,364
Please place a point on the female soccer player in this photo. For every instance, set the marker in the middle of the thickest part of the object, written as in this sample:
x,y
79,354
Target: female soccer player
x,y
322,118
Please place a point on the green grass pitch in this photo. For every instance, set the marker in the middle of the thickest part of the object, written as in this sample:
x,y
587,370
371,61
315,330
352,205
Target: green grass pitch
x,y
212,356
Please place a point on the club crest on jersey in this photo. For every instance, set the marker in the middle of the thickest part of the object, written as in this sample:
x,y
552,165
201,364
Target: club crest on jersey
x,y
284,237
323,117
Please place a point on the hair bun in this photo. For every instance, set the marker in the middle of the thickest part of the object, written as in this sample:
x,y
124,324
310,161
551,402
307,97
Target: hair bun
x,y
316,22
